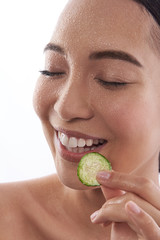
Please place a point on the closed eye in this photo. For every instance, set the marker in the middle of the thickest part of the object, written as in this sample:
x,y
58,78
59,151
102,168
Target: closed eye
x,y
111,84
51,74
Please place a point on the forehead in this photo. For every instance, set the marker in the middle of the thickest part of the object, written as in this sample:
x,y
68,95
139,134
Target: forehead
x,y
102,24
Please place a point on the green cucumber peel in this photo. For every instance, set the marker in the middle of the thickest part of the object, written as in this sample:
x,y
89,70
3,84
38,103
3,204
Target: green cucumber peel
x,y
88,167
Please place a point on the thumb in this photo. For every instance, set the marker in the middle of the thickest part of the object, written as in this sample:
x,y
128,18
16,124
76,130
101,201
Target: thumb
x,y
111,193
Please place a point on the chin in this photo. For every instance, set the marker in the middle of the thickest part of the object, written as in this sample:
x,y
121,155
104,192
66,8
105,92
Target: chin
x,y
67,174
73,183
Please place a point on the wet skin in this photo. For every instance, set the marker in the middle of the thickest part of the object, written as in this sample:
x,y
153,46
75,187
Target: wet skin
x,y
107,87
112,99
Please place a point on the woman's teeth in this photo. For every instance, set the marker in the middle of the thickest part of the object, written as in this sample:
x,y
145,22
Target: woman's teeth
x,y
79,145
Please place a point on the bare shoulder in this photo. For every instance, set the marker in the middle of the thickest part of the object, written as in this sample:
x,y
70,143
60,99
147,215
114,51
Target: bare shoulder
x,y
15,195
22,204
45,189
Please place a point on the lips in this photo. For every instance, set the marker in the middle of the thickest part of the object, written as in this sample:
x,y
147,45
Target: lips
x,y
72,145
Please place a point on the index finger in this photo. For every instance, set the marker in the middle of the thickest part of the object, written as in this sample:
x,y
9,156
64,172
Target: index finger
x,y
142,186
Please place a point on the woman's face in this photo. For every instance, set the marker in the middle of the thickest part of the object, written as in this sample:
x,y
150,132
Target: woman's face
x,y
101,88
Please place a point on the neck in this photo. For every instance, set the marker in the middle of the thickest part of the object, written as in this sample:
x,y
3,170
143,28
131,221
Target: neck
x,y
92,198
149,169
85,201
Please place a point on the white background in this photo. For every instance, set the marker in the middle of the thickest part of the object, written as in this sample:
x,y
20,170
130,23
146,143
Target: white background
x,y
25,28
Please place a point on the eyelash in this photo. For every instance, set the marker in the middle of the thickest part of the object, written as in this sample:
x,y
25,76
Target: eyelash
x,y
51,74
111,85
106,84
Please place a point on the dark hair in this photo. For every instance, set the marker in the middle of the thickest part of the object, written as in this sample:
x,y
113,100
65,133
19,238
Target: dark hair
x,y
153,8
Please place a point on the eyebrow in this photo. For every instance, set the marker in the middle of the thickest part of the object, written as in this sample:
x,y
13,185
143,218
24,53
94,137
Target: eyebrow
x,y
113,54
54,47
108,54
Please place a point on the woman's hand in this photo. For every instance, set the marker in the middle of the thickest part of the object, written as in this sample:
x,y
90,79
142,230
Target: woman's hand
x,y
138,206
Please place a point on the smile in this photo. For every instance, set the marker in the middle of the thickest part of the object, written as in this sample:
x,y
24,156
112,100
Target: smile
x,y
79,145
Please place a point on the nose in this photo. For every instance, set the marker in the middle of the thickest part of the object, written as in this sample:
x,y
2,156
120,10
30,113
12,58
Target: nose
x,y
74,102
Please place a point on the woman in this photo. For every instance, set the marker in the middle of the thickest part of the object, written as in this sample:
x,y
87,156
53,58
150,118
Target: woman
x,y
99,92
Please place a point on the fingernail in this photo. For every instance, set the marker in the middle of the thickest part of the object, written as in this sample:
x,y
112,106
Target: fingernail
x,y
103,175
94,215
133,208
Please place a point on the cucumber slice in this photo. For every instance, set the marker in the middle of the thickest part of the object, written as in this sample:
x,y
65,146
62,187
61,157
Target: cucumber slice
x,y
88,167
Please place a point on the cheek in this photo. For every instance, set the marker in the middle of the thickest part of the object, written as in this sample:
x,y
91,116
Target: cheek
x,y
43,98
136,125
128,117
